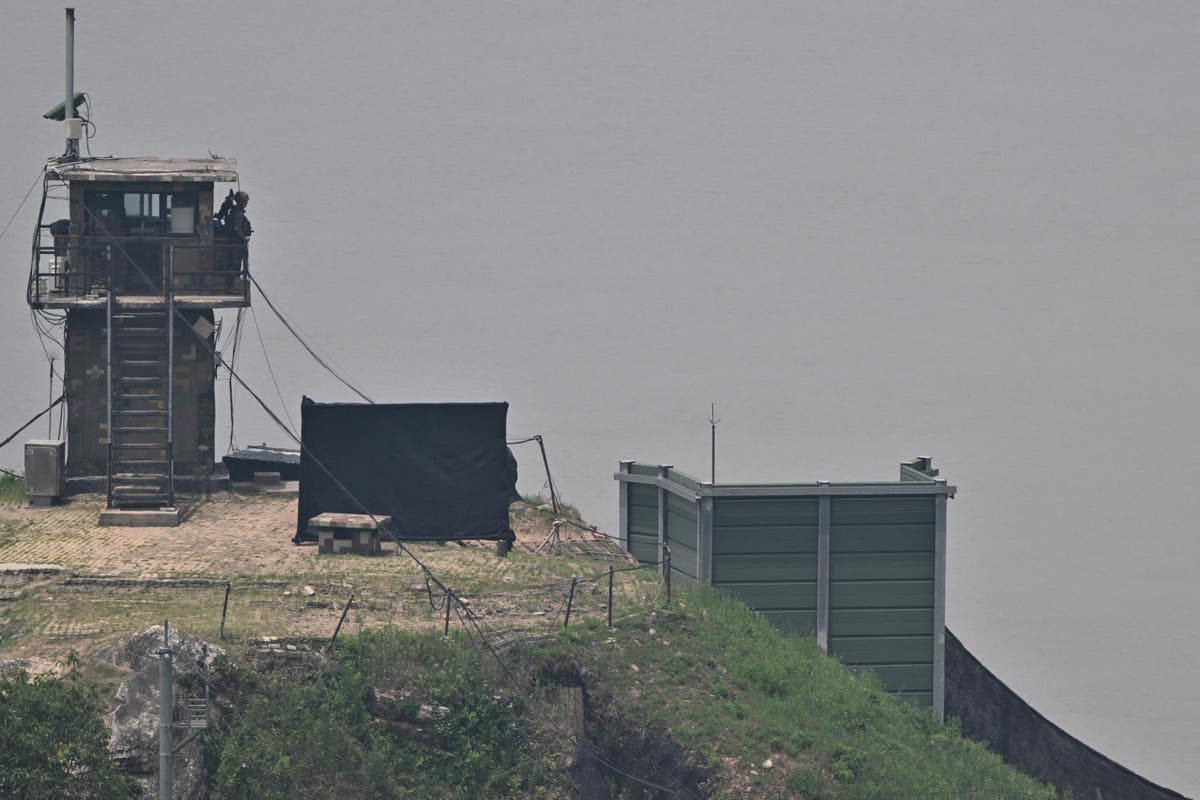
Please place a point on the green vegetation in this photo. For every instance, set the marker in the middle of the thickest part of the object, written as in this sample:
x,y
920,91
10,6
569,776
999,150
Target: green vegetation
x,y
12,488
53,743
705,693
401,716
735,693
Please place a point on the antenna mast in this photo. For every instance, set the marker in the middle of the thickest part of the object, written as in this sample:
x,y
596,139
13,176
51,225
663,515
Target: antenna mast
x,y
72,124
712,421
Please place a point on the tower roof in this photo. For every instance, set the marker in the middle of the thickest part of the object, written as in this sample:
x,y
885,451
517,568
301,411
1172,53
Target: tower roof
x,y
149,169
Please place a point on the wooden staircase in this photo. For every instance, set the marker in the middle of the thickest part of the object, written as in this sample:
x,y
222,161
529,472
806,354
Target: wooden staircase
x,y
141,461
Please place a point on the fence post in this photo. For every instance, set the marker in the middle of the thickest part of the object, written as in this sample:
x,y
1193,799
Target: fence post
x,y
345,611
610,587
570,599
667,570
446,602
225,608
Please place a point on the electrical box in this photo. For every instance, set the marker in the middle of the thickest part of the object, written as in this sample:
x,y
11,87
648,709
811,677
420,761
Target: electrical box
x,y
45,460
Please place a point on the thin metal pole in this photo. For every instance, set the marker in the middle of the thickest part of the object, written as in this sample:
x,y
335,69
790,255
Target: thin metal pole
x,y
336,630
225,608
610,594
170,298
50,417
166,707
446,628
72,151
549,480
570,599
712,421
667,570
108,378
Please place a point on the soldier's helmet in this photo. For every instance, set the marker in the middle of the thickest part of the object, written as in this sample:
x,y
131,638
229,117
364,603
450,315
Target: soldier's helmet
x,y
241,198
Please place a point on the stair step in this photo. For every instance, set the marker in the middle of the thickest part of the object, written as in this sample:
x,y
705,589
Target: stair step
x,y
139,412
127,446
141,379
139,461
154,362
134,477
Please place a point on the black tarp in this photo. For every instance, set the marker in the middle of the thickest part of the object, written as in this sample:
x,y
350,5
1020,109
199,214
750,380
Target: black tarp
x,y
439,470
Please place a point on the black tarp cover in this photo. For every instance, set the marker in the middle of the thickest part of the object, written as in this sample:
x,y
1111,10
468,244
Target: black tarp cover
x,y
439,470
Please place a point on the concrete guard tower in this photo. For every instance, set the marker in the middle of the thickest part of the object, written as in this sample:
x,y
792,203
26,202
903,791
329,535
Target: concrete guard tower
x,y
136,271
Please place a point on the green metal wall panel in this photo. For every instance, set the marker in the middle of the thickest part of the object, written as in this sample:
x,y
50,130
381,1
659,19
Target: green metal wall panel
x,y
755,567
789,596
880,594
902,677
913,538
683,479
764,511
774,539
874,650
881,622
643,523
800,623
880,566
642,469
919,699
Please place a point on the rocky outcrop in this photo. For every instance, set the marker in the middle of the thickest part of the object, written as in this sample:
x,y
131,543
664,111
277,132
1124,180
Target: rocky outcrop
x,y
133,724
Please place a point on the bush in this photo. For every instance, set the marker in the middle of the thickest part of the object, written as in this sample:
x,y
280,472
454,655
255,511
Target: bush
x,y
53,743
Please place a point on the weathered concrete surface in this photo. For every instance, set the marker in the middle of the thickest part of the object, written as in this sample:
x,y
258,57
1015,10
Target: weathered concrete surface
x,y
133,724
151,518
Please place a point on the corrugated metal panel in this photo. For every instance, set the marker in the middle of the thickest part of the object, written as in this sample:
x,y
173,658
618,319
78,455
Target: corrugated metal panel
x,y
801,623
880,566
873,650
881,594
776,596
754,567
642,469
881,622
643,523
774,539
902,677
773,511
683,479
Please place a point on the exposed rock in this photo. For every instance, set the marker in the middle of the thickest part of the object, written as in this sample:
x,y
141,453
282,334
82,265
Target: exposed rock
x,y
133,724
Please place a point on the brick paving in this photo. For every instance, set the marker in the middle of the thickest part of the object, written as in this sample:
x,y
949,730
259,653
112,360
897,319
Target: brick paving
x,y
228,534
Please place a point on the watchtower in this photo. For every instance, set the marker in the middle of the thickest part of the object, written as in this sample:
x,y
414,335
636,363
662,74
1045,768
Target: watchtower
x,y
135,271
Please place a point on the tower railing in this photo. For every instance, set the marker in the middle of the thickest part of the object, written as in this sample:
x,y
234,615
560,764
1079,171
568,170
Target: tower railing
x,y
68,269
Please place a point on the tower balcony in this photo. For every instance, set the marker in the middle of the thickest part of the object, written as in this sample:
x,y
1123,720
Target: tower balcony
x,y
80,271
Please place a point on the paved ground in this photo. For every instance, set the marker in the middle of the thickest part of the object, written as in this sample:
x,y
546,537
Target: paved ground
x,y
229,534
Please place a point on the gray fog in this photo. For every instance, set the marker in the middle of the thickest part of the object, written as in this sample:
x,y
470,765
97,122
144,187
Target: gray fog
x,y
866,231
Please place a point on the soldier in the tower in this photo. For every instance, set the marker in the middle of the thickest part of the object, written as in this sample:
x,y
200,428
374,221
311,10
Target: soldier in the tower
x,y
237,228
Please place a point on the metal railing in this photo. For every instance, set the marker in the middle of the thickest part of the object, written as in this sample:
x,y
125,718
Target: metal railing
x,y
89,267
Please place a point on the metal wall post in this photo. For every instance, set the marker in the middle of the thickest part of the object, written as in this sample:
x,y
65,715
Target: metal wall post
x,y
939,607
823,527
610,594
667,570
170,298
623,499
108,379
166,712
663,469
225,608
570,600
704,536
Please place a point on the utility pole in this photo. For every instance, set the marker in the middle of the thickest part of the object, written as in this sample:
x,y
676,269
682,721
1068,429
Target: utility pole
x,y
166,713
712,421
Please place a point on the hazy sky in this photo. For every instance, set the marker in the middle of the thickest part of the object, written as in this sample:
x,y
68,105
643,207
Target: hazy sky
x,y
867,231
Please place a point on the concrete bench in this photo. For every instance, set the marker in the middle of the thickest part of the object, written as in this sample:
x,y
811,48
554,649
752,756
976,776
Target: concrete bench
x,y
347,533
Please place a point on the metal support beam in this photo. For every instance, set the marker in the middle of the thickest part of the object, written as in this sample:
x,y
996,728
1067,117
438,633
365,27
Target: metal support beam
x,y
623,511
662,509
939,607
823,527
166,711
704,524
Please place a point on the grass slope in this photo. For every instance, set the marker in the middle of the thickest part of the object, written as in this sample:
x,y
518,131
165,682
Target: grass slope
x,y
754,712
